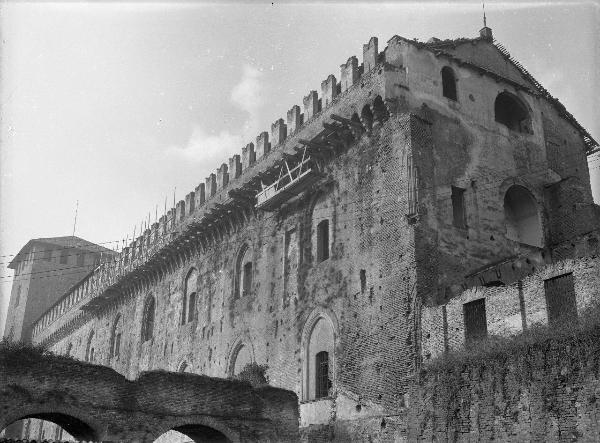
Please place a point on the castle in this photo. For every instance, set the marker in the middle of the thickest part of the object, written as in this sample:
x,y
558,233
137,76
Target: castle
x,y
419,202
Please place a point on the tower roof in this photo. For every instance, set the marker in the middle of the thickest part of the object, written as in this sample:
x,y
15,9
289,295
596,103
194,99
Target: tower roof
x,y
66,242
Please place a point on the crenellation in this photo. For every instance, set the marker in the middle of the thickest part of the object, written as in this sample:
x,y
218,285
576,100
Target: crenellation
x,y
180,211
222,176
311,105
211,185
190,203
235,166
294,119
370,54
349,73
200,194
329,90
262,145
248,156
278,132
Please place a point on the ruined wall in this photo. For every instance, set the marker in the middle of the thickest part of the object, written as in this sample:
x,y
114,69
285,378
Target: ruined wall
x,y
544,392
458,143
509,309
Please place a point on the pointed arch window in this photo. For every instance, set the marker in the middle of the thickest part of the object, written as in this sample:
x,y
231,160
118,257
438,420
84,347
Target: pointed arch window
x,y
115,337
244,272
318,366
189,309
148,319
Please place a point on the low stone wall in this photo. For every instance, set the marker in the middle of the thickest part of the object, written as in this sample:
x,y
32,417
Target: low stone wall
x,y
546,391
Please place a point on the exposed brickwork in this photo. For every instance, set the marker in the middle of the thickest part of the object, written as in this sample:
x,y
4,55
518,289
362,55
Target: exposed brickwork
x,y
542,393
382,178
111,408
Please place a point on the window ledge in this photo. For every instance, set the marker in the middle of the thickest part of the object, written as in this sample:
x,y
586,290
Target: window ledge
x,y
316,400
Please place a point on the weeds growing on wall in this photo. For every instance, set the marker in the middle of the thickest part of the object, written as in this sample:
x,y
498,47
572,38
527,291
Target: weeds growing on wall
x,y
584,329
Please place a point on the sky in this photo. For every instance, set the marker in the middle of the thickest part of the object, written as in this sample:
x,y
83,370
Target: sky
x,y
119,106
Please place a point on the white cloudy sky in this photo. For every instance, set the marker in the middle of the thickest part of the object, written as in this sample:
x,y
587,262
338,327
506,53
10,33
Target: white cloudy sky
x,y
115,105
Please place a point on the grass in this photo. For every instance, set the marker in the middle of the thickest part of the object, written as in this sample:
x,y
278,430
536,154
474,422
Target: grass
x,y
585,330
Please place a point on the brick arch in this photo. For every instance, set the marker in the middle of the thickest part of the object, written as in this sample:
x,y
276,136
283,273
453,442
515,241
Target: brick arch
x,y
183,424
319,313
242,341
72,419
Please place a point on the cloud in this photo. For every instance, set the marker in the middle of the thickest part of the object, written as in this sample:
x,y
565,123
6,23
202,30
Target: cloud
x,y
213,149
247,95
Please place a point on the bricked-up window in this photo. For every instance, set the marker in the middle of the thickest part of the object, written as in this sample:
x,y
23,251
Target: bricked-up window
x,y
148,319
511,112
448,83
18,297
322,373
80,259
560,299
69,349
412,173
64,256
48,254
323,240
475,320
458,208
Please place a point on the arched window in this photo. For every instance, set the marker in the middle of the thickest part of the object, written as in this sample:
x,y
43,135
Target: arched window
x,y
89,349
189,309
323,240
522,217
511,112
69,349
448,83
243,274
183,367
148,319
318,366
115,337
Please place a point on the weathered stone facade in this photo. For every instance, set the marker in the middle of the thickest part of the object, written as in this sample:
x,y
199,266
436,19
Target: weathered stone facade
x,y
421,185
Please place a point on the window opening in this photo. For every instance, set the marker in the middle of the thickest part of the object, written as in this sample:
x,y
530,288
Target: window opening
x,y
475,320
509,111
458,207
322,373
323,240
560,299
448,83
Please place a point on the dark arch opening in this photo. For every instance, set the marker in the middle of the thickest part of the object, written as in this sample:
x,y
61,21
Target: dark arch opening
x,y
77,428
198,434
448,83
511,112
367,117
379,109
522,217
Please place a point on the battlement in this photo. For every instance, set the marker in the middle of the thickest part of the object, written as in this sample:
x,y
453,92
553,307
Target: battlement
x,y
365,95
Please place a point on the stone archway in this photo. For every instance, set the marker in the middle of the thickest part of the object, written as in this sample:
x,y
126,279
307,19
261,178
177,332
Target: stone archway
x,y
79,428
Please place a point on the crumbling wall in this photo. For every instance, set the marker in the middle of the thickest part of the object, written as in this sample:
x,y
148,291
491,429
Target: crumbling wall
x,y
539,392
